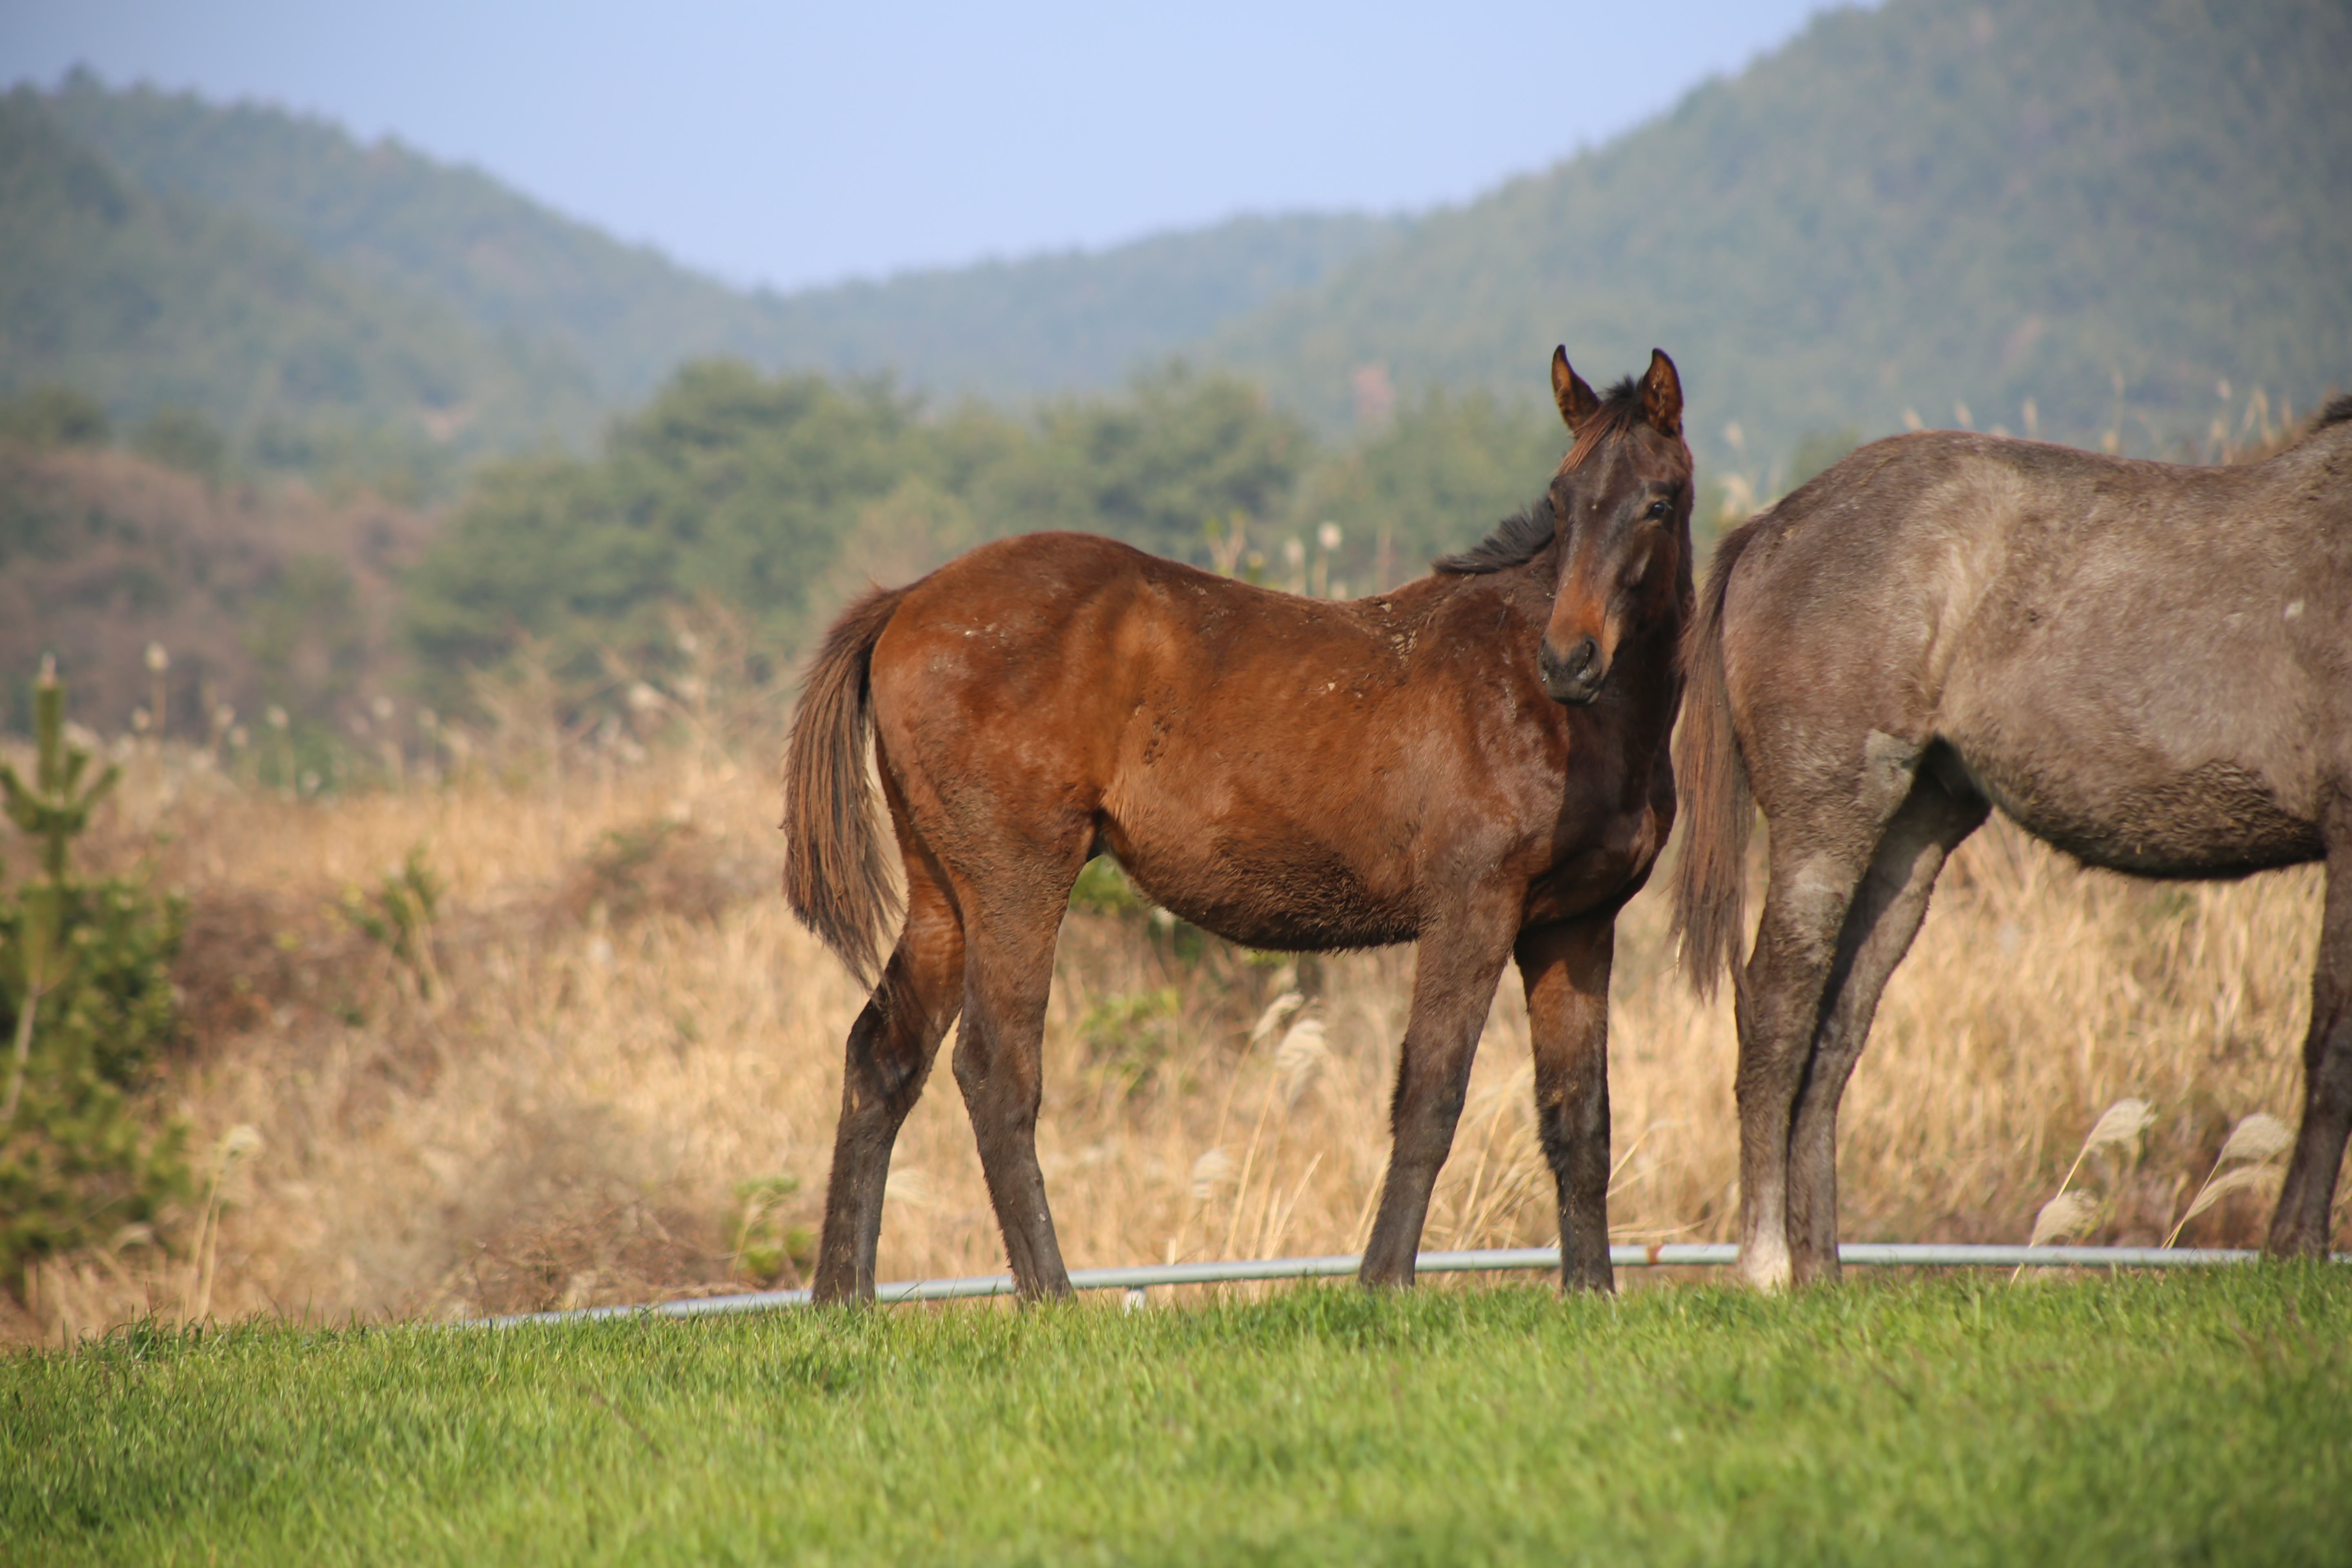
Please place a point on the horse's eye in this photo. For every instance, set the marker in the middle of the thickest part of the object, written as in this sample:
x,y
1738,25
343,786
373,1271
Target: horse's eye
x,y
1657,509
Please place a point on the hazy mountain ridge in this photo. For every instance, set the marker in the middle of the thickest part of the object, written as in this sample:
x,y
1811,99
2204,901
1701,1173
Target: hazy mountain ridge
x,y
1071,320
448,233
509,264
1931,207
152,302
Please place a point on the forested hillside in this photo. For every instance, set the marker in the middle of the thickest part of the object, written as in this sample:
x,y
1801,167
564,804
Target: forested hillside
x,y
258,596
1072,320
151,302
1936,202
451,235
455,236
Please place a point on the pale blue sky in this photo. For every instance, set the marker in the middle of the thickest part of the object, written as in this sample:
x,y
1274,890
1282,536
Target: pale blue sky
x,y
792,145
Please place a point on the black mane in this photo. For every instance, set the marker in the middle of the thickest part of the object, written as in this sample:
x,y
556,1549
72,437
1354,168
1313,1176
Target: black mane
x,y
1625,396
1517,539
2337,412
1514,542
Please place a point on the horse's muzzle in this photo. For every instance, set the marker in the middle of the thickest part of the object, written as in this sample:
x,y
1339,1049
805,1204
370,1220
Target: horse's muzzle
x,y
1575,678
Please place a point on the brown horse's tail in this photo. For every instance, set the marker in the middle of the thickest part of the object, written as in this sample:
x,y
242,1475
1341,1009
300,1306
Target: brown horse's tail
x,y
836,874
1710,775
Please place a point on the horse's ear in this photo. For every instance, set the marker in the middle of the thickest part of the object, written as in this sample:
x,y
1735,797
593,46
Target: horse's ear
x,y
1576,400
1662,396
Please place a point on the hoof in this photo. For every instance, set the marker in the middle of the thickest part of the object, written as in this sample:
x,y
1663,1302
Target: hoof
x,y
842,1299
842,1288
1600,1281
1765,1266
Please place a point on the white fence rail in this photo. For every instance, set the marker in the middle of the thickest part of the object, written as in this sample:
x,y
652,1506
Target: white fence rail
x,y
1672,1255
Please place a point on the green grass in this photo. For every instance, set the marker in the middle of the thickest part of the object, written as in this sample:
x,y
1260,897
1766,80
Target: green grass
x,y
1959,1419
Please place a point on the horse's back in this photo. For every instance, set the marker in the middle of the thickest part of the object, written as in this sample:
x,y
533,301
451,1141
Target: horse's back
x,y
2145,664
1081,631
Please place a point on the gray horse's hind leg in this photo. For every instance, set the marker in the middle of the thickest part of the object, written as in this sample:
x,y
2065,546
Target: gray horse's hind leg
x,y
1824,948
1778,1004
2299,1225
1880,923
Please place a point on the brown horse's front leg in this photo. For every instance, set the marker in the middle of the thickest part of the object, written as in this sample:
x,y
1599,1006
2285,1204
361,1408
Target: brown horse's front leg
x,y
1453,985
2299,1225
1565,969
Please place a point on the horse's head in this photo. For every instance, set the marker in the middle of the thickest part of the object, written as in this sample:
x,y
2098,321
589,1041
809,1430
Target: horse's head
x,y
1621,507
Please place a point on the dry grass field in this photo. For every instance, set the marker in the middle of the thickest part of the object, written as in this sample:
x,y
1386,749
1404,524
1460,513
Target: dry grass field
x,y
602,1076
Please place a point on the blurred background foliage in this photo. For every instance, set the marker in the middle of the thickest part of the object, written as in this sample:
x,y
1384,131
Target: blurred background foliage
x,y
777,497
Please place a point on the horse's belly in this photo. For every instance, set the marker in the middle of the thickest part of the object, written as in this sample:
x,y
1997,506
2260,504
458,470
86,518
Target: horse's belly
x,y
2217,819
1287,893
1328,925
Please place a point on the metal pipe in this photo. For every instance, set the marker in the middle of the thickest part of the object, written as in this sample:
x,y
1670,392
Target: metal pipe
x,y
1138,1279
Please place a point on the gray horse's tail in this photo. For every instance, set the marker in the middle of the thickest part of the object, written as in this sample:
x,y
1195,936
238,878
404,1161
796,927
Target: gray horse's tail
x,y
1711,776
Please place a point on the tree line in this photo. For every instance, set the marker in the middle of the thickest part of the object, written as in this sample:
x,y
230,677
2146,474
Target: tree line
x,y
769,498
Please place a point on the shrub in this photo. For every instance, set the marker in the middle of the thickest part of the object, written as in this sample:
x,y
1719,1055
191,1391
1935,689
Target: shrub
x,y
55,416
86,1002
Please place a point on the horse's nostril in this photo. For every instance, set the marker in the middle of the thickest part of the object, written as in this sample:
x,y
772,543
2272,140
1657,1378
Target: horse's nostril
x,y
1575,677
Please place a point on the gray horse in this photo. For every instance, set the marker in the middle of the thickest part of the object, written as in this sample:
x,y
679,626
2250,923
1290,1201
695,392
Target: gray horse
x,y
2148,665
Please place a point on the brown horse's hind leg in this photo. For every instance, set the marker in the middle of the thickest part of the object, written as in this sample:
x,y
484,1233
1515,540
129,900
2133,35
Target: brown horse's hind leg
x,y
1880,924
1565,969
998,1064
1453,987
891,1048
2299,1225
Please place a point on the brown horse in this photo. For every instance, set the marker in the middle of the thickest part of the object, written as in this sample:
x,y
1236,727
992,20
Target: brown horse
x,y
1475,762
2149,667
